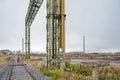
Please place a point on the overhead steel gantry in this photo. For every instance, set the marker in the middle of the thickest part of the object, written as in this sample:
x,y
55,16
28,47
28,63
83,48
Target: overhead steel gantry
x,y
55,29
33,8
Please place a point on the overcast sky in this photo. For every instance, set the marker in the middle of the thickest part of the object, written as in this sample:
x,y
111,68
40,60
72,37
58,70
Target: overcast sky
x,y
98,20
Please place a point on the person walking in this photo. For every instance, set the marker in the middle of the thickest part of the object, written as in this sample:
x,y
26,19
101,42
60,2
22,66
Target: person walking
x,y
18,59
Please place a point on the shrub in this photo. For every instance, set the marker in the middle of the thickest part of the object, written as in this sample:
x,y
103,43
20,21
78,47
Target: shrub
x,y
7,58
78,77
106,70
67,64
56,74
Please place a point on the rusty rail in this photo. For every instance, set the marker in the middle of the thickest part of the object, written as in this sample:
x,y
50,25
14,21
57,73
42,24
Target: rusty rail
x,y
11,69
9,72
34,78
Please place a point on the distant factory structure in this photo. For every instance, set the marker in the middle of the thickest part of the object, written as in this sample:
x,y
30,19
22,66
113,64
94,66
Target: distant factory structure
x,y
5,51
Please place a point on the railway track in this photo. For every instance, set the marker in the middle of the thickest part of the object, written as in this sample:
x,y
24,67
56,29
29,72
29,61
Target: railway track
x,y
10,71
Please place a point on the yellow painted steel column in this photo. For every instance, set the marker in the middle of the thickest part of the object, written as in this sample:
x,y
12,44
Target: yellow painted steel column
x,y
62,25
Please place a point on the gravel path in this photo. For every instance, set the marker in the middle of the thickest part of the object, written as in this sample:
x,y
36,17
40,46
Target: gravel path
x,y
19,72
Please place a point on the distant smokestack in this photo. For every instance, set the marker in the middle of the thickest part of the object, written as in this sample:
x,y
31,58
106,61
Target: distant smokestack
x,y
83,44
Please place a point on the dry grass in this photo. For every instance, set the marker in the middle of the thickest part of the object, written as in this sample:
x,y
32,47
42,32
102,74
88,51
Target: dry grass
x,y
4,59
92,55
111,70
1,66
114,70
32,58
4,55
37,66
7,58
35,59
57,74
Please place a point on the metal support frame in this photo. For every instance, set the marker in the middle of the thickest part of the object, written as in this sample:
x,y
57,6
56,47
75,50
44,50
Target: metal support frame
x,y
22,45
33,8
55,29
49,32
62,25
53,33
56,32
26,40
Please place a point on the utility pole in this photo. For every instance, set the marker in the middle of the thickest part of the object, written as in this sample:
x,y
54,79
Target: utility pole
x,y
83,44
